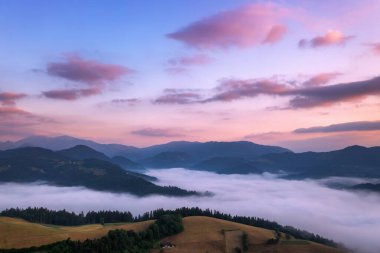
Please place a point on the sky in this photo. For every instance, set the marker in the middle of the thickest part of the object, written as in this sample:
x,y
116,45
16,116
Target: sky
x,y
302,74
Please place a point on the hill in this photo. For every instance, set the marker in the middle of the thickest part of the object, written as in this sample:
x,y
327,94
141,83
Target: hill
x,y
354,161
366,187
227,165
205,234
37,164
200,234
17,233
168,160
81,152
126,163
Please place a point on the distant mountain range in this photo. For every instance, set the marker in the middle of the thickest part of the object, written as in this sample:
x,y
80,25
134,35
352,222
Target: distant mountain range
x,y
197,150
221,157
76,167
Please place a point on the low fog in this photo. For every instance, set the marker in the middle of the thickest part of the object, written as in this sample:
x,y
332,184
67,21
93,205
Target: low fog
x,y
348,217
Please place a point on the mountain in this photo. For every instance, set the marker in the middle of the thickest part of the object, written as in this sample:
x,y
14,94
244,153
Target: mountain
x,y
227,165
198,150
205,150
168,160
354,161
81,152
65,142
126,163
31,164
367,187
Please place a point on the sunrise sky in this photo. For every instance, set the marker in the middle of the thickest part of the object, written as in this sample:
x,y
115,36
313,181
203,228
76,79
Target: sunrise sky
x,y
302,74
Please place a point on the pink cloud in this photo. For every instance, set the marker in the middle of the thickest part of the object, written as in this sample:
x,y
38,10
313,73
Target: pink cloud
x,y
9,98
198,59
71,94
375,48
276,34
12,111
75,68
321,79
17,123
242,27
331,38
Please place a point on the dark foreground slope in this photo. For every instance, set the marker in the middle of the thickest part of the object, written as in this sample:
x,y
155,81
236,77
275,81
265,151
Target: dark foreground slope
x,y
27,165
193,234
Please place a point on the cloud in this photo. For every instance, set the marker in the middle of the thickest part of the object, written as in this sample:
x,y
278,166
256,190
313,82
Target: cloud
x,y
7,112
158,132
342,127
9,98
90,72
71,94
92,75
232,89
375,47
332,213
306,96
178,96
332,94
242,27
126,101
18,123
198,59
331,38
321,79
276,34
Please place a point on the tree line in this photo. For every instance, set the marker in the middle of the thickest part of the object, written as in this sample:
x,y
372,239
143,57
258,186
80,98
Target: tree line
x,y
63,217
116,241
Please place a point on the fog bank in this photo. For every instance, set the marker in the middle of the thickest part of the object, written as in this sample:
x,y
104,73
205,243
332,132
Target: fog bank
x,y
349,217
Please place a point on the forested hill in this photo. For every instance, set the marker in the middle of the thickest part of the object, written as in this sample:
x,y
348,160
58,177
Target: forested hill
x,y
27,165
63,217
116,241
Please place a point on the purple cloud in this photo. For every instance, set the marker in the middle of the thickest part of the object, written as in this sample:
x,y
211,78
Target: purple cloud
x,y
331,94
342,127
75,68
158,132
174,96
71,94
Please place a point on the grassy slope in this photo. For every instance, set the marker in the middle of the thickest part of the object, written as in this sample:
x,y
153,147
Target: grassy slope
x,y
17,233
203,234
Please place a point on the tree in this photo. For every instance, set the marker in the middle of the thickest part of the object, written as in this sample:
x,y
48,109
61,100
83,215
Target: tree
x,y
244,240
